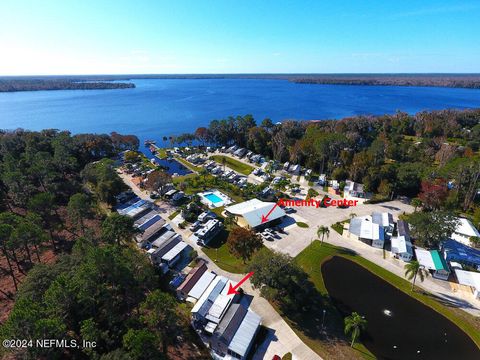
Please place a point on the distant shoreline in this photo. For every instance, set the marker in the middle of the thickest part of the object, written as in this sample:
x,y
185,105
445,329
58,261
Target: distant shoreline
x,y
17,85
92,82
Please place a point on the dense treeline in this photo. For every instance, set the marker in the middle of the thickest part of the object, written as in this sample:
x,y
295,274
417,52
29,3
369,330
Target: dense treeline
x,y
66,265
390,154
106,294
436,80
11,85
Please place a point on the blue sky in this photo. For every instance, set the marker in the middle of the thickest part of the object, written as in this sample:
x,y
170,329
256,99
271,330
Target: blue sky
x,y
200,36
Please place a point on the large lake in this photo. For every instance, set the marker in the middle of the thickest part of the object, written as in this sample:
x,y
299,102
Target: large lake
x,y
163,107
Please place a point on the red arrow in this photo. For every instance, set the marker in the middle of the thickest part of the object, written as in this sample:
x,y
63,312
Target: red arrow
x,y
233,289
265,217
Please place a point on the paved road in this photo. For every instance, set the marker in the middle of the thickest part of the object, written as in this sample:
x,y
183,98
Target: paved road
x,y
299,238
281,339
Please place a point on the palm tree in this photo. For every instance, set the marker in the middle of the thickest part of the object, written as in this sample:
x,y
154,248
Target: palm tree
x,y
352,215
224,161
354,325
416,203
322,231
414,269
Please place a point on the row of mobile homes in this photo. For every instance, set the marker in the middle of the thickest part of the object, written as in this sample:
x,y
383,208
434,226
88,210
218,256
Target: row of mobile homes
x,y
355,191
365,230
455,251
433,261
191,279
401,245
227,327
464,231
469,279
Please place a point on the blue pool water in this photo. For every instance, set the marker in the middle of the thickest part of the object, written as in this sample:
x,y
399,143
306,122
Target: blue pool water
x,y
213,198
164,107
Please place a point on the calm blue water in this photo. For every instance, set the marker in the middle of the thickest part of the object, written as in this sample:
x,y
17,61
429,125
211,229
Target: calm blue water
x,y
157,107
171,166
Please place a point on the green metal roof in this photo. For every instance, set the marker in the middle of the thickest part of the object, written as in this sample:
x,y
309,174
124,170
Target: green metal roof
x,y
438,260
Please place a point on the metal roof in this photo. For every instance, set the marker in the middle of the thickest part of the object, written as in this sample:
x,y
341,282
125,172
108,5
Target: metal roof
x,y
152,231
403,230
459,252
145,217
252,211
366,229
468,278
383,219
201,285
431,259
219,307
192,277
162,240
205,302
465,227
230,323
175,251
245,334
153,220
400,245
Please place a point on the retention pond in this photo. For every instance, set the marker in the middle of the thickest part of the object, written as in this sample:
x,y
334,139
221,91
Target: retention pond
x,y
399,327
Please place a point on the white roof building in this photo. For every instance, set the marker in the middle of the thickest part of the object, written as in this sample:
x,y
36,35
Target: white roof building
x,y
401,244
364,229
201,307
464,231
432,260
174,252
201,285
220,305
469,278
249,213
384,219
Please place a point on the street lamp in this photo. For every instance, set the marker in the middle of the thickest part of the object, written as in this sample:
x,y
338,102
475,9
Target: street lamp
x,y
323,319
216,254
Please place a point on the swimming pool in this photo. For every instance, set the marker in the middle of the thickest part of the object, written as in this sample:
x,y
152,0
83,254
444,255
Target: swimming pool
x,y
213,198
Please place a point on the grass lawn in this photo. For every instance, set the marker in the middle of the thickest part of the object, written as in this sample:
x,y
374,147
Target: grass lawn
x,y
179,179
173,215
217,250
311,259
233,164
302,224
161,153
188,165
338,226
200,183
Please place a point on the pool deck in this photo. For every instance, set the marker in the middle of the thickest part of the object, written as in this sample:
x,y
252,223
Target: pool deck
x,y
224,199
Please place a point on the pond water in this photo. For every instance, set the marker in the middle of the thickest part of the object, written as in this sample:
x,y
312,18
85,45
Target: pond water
x,y
399,327
172,166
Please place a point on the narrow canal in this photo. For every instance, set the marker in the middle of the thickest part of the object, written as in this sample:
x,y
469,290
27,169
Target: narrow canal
x,y
399,327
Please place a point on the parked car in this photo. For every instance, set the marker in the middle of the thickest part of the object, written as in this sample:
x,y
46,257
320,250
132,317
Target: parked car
x,y
267,237
289,210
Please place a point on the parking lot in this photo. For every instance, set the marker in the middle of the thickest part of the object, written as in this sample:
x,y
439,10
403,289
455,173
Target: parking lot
x,y
298,238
